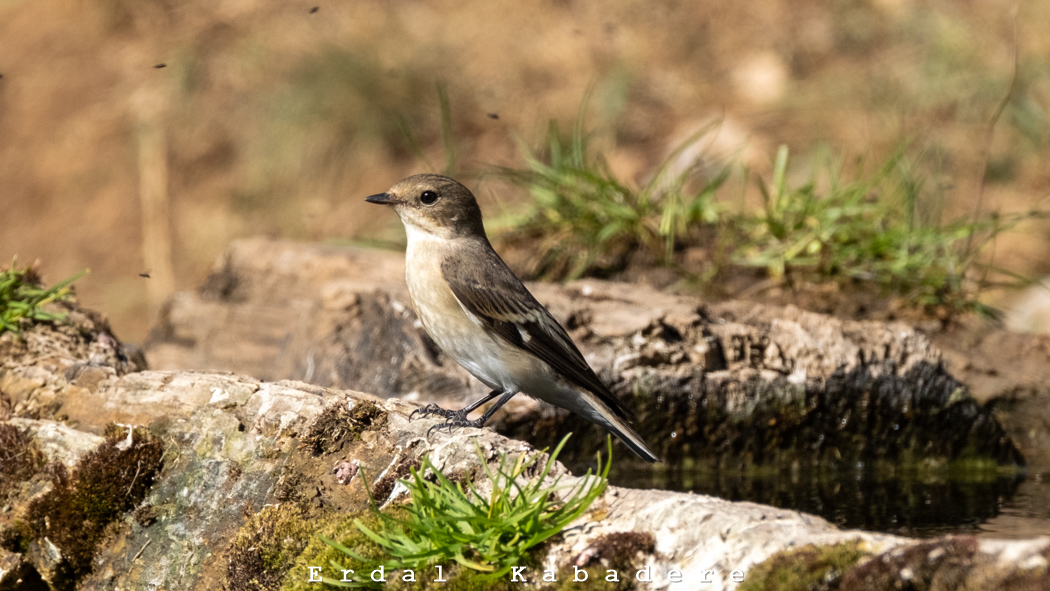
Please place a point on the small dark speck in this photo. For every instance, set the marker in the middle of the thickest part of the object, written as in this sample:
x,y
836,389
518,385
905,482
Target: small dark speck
x,y
315,9
146,275
493,116
159,66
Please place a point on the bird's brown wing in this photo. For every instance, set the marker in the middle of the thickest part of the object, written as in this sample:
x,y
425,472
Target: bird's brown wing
x,y
490,291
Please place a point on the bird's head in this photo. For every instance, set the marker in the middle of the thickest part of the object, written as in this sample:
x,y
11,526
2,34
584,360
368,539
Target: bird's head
x,y
435,205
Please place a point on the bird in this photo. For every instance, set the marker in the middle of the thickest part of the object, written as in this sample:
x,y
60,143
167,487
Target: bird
x,y
478,312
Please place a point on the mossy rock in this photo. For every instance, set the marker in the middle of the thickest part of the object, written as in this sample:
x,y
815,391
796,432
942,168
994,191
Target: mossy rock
x,y
810,568
70,521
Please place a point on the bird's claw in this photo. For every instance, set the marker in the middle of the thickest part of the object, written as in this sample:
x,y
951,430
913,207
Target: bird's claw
x,y
453,418
459,420
433,409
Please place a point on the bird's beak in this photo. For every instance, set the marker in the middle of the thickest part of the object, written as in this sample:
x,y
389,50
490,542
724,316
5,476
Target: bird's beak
x,y
384,199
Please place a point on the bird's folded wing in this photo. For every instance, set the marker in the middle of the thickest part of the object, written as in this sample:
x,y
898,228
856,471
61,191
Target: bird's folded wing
x,y
491,292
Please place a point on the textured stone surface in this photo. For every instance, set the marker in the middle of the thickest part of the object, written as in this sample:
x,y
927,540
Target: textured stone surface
x,y
743,382
235,446
239,449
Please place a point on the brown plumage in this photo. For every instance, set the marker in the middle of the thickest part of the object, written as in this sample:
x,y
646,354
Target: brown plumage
x,y
478,312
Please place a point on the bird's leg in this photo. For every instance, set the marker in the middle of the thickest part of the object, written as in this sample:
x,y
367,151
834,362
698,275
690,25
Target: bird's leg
x,y
433,409
463,421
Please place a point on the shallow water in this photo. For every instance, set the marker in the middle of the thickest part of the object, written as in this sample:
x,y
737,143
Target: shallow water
x,y
1000,505
1025,514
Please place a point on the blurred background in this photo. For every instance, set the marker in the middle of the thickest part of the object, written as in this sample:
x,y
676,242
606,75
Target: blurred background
x,y
140,137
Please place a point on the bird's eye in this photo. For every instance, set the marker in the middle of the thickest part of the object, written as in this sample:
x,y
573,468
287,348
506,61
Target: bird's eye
x,y
428,197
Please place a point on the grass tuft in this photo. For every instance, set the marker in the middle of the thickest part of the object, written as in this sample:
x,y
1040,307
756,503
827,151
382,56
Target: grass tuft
x,y
23,297
488,533
588,222
882,228
872,229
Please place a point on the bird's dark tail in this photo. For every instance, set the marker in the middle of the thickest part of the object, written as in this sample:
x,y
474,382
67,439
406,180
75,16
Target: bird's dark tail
x,y
604,416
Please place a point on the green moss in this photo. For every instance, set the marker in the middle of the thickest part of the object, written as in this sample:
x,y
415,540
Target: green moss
x,y
975,465
366,415
336,426
342,530
620,548
108,482
623,552
810,568
15,538
266,547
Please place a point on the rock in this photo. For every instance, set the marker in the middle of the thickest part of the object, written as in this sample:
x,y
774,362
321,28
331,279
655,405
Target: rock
x,y
951,562
995,362
17,573
743,383
46,558
18,388
249,446
49,357
276,311
232,480
57,441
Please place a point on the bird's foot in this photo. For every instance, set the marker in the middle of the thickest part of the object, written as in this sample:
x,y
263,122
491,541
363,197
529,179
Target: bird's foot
x,y
454,419
433,409
457,420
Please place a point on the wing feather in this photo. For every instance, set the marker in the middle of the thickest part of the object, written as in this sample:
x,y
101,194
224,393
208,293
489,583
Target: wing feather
x,y
490,291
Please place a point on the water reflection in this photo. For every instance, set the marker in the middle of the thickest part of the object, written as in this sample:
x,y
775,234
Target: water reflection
x,y
903,504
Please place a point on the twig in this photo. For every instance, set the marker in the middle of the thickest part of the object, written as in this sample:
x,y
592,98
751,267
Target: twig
x,y
141,550
134,478
990,134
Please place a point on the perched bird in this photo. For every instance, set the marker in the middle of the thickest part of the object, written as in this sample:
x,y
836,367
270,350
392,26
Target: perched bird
x,y
479,313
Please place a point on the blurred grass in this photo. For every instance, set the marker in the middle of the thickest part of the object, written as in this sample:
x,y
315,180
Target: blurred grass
x,y
450,147
583,220
877,228
883,228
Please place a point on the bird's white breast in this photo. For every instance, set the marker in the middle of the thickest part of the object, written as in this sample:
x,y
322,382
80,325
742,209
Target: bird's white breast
x,y
457,331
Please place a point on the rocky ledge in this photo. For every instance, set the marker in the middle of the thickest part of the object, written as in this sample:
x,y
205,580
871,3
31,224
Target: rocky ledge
x,y
118,478
728,385
226,482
